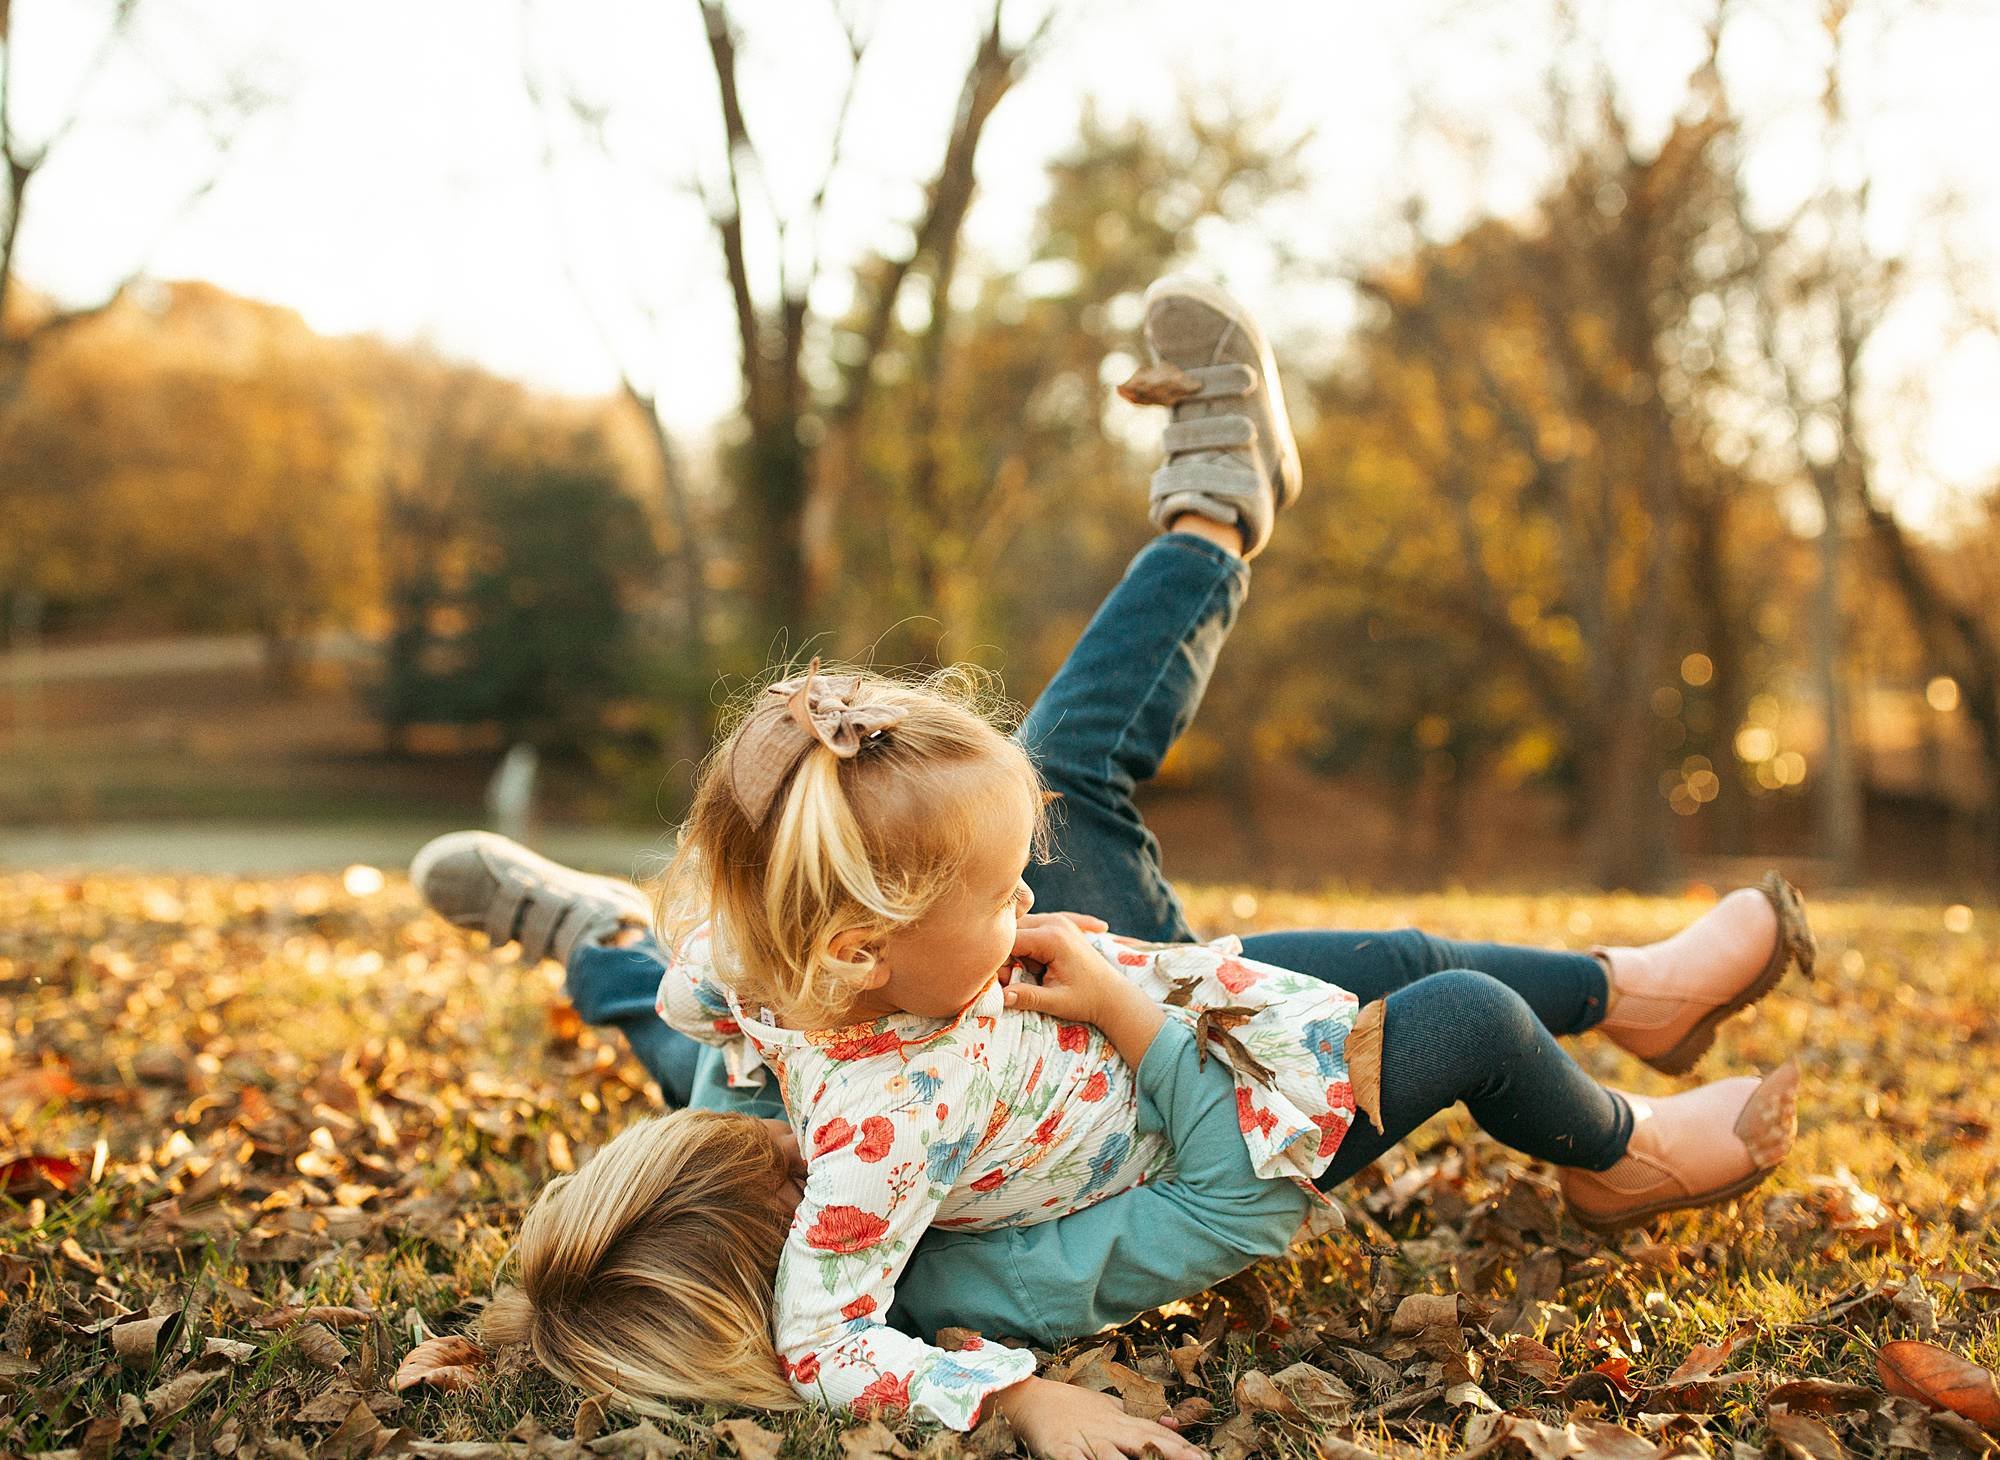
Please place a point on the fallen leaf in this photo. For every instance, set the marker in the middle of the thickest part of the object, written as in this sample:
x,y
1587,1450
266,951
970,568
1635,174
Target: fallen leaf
x,y
332,1317
752,1440
1801,1437
872,1441
1941,1379
640,1442
230,1350
1425,1310
1159,384
1257,1393
1323,1398
952,1340
1531,1358
589,1423
1821,1396
451,1362
317,1344
33,1175
178,1392
1364,1061
100,1438
1490,1434
138,1341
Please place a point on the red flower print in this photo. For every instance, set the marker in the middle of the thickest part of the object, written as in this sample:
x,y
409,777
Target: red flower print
x,y
845,1229
890,1394
991,1179
832,1136
1235,976
1249,1117
866,1046
1332,1126
943,1110
806,1369
861,1307
1134,960
1046,1131
1340,1095
1072,1037
877,1136
728,1026
1095,1088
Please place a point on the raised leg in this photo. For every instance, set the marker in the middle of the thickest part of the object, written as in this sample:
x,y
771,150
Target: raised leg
x,y
1129,688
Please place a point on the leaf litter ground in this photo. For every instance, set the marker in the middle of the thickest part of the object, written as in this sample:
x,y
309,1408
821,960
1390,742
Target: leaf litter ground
x,y
263,1144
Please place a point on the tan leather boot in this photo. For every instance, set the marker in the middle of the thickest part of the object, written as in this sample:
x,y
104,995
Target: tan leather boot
x,y
1669,997
1691,1150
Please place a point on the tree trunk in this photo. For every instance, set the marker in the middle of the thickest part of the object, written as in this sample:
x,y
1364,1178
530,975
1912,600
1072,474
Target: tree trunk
x,y
1837,812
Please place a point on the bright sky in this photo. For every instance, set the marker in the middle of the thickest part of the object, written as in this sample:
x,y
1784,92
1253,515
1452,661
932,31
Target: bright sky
x,y
397,185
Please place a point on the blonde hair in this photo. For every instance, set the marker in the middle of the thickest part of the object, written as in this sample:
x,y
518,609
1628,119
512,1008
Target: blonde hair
x,y
647,1275
869,843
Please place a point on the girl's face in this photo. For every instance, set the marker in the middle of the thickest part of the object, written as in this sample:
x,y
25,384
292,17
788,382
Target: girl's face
x,y
944,960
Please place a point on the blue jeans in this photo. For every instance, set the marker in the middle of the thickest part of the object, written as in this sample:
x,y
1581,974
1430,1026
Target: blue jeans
x,y
1471,1022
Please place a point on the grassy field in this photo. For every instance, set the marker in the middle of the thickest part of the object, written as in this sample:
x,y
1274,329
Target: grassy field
x,y
260,1138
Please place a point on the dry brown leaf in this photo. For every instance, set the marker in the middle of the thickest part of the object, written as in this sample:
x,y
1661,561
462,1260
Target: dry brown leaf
x,y
1187,1359
451,1362
1324,1398
1258,1393
331,1316
1425,1310
589,1422
951,1340
1364,1061
1530,1358
1194,1410
1821,1396
1495,1434
1801,1437
1143,1397
317,1344
1158,384
872,1441
178,1392
138,1341
752,1440
640,1442
100,1438
1941,1379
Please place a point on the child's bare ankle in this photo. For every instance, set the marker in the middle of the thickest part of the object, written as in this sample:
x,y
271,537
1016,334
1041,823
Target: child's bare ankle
x,y
1224,535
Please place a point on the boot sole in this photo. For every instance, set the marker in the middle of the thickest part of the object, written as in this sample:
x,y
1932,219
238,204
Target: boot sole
x,y
1796,945
1611,1225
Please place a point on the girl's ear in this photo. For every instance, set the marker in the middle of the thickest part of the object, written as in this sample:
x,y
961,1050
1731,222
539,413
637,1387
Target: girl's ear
x,y
856,948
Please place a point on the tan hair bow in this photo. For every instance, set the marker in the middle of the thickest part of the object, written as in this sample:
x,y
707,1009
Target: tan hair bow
x,y
794,716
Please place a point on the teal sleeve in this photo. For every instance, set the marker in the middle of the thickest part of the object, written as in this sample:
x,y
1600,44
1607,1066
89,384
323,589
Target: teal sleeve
x,y
1105,1265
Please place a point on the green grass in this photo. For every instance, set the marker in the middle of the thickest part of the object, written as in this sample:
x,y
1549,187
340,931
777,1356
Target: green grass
x,y
309,1097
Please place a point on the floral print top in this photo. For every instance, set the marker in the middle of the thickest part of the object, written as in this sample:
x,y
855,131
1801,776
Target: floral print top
x,y
990,1119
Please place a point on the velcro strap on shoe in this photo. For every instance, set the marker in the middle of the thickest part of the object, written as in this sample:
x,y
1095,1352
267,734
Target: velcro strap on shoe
x,y
1218,381
1210,433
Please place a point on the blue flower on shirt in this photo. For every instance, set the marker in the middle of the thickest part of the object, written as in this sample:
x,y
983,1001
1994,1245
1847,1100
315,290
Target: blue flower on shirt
x,y
1327,1039
927,1083
1104,1165
947,1158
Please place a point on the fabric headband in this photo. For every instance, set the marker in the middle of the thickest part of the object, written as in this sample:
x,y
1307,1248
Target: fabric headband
x,y
793,717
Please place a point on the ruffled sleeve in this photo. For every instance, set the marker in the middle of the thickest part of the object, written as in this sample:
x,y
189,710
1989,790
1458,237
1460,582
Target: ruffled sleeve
x,y
694,1002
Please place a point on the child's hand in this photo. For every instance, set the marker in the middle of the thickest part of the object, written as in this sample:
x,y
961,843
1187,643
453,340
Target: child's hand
x,y
1077,983
1063,1422
1084,921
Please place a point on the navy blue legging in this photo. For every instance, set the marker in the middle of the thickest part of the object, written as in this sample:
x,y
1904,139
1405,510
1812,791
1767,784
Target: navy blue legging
x,y
1465,1022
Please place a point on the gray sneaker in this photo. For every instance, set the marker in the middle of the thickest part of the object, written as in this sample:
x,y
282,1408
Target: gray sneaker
x,y
1230,452
476,879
